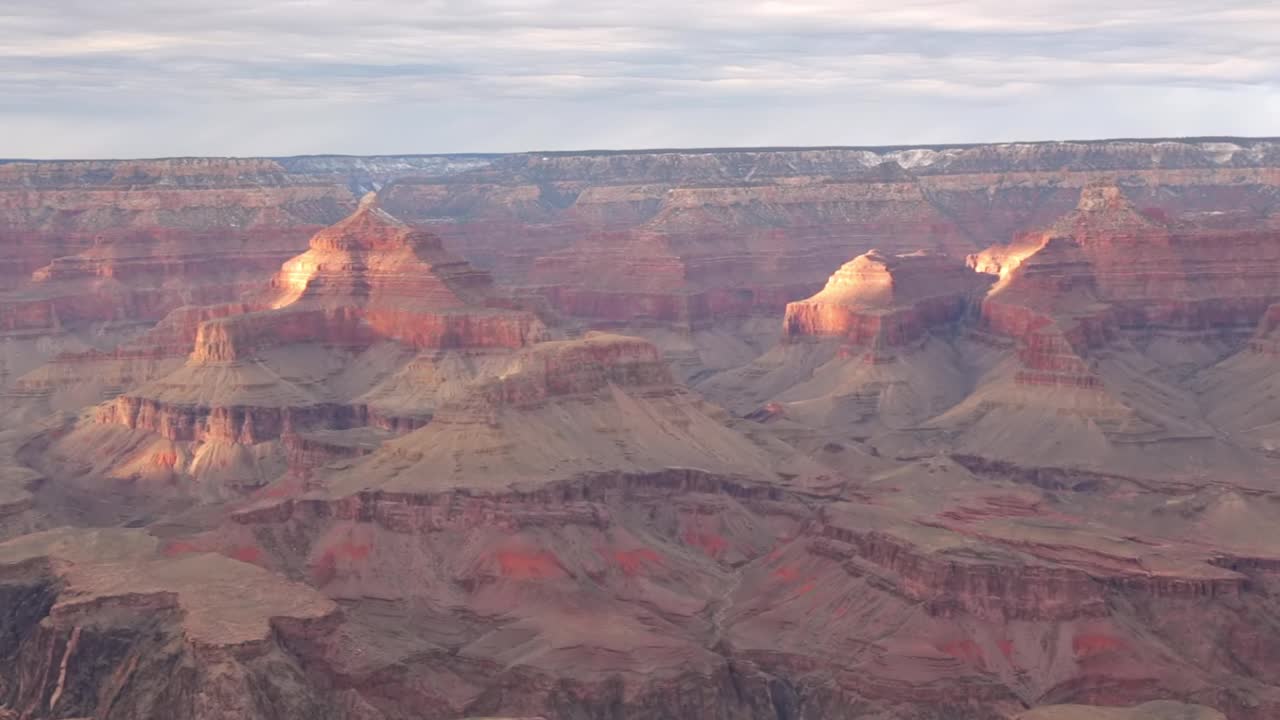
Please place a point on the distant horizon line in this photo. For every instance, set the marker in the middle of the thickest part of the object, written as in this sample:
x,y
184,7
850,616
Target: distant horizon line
x,y
664,150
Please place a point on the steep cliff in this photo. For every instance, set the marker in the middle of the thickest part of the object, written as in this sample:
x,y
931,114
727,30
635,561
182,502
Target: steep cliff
x,y
98,624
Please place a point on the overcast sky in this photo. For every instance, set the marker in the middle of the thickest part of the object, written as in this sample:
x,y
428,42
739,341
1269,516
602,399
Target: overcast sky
x,y
129,78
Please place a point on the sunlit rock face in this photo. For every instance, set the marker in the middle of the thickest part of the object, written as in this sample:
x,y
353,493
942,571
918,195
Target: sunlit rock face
x,y
873,350
337,341
710,254
104,241
121,243
373,258
1107,270
369,482
1204,271
886,301
372,277
1075,342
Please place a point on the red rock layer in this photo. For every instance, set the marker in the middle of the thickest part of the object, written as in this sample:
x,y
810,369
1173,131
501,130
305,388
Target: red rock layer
x,y
791,215
735,217
1206,271
242,336
243,425
1047,302
948,587
689,593
716,253
106,622
306,452
577,367
87,243
1107,269
852,606
886,301
373,257
530,553
132,240
644,276
369,276
366,280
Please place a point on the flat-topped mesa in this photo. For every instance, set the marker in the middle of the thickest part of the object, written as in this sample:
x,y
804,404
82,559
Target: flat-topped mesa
x,y
240,337
578,367
884,301
873,350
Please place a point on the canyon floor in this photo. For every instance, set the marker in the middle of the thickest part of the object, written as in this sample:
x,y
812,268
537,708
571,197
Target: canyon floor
x,y
951,433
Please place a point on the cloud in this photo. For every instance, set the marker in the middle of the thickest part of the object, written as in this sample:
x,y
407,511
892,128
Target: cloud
x,y
152,77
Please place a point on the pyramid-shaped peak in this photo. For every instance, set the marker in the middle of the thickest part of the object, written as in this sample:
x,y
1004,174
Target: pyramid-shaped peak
x,y
372,228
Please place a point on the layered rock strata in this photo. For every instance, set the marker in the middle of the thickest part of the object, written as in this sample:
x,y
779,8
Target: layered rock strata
x,y
100,624
874,348
312,352
1075,347
923,585
877,301
515,527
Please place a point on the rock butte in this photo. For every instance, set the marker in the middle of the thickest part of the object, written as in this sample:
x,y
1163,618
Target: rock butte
x,y
373,306
877,301
586,435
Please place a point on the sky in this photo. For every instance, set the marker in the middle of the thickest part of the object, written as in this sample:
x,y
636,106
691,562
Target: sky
x,y
149,78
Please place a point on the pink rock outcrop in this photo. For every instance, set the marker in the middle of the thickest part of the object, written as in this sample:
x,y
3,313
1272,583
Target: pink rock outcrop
x,y
881,301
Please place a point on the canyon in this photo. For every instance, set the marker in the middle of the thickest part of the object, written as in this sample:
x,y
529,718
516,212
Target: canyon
x,y
979,432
